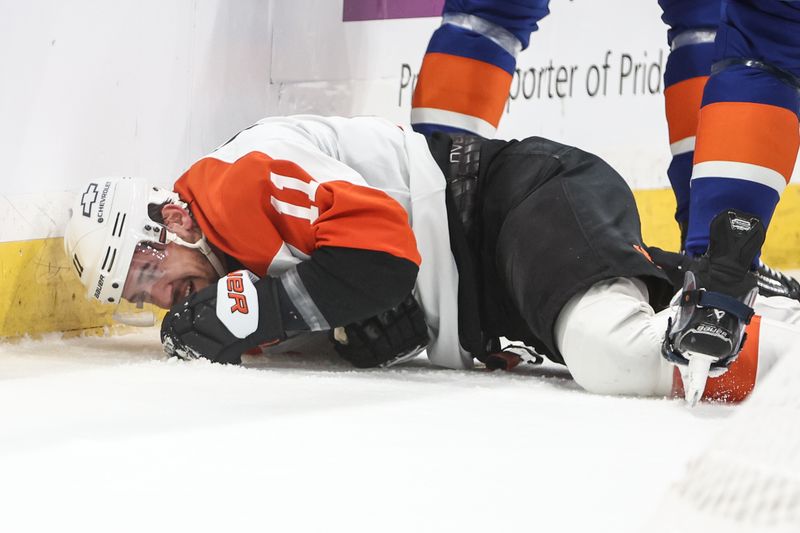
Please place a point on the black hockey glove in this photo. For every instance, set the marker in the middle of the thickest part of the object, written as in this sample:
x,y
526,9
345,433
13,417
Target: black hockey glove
x,y
223,321
388,338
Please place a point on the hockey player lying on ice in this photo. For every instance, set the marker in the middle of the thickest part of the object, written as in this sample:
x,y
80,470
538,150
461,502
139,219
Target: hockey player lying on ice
x,y
393,243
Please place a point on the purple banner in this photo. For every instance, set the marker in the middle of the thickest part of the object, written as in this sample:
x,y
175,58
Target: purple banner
x,y
390,9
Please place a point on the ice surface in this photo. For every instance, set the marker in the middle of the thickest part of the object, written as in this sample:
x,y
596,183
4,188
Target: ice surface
x,y
105,434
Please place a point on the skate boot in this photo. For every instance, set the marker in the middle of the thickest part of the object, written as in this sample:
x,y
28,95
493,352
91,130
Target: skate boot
x,y
715,304
773,282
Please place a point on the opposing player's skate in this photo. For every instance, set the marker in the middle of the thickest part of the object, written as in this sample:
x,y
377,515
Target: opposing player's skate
x,y
715,305
770,281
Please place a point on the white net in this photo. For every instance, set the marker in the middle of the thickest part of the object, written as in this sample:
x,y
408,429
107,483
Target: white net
x,y
748,480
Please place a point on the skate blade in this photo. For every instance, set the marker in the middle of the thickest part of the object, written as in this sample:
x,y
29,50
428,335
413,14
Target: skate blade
x,y
695,376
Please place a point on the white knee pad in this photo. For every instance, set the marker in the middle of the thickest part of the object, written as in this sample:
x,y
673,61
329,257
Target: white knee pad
x,y
610,338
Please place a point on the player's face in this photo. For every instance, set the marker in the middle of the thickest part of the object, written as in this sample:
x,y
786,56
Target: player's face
x,y
164,275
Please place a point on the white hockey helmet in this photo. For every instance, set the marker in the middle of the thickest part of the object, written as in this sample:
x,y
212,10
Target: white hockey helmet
x,y
110,218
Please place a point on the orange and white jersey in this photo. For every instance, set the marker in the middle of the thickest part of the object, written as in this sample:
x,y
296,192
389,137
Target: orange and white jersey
x,y
287,186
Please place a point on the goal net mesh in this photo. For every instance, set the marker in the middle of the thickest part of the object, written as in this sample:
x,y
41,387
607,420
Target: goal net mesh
x,y
748,479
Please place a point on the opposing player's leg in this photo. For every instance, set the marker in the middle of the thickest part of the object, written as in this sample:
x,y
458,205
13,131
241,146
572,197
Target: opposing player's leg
x,y
469,64
692,29
747,142
748,134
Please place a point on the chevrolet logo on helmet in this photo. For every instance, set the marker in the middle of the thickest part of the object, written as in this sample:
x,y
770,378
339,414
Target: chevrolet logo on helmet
x,y
88,199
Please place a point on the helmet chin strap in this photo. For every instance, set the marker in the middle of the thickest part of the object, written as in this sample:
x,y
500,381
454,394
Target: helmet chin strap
x,y
204,248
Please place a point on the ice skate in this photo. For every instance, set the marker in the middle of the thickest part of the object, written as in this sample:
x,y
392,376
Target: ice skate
x,y
770,281
715,304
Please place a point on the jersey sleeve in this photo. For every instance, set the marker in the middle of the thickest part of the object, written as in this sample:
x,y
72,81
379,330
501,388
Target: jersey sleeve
x,y
360,254
310,214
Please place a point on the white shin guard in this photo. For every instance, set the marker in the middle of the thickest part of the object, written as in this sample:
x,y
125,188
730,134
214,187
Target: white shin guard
x,y
610,338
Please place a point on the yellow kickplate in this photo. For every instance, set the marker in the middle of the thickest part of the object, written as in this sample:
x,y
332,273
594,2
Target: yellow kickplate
x,y
40,293
782,249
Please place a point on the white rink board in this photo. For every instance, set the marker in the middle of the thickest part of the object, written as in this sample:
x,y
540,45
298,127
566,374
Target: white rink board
x,y
146,87
118,88
368,68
